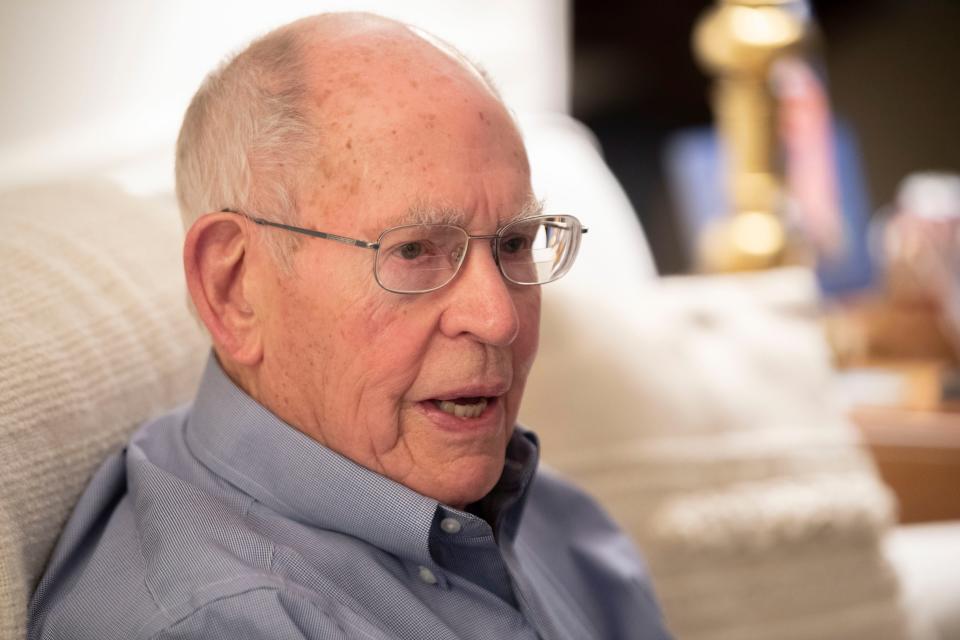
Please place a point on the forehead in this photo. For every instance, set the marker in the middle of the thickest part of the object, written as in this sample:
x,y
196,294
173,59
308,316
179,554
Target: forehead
x,y
427,213
428,181
414,137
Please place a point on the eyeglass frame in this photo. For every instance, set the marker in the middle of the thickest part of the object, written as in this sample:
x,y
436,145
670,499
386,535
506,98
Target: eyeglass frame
x,y
363,244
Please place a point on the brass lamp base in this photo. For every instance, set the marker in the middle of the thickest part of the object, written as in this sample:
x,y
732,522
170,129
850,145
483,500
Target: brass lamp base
x,y
746,241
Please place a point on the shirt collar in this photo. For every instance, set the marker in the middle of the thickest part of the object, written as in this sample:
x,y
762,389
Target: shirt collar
x,y
241,441
503,506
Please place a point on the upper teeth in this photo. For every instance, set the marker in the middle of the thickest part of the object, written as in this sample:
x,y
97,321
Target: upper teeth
x,y
463,410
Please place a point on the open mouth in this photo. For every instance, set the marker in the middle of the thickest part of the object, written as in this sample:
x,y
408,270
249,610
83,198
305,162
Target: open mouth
x,y
463,407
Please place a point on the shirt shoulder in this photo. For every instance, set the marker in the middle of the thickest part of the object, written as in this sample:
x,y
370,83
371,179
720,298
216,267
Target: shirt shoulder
x,y
159,547
557,504
266,612
566,532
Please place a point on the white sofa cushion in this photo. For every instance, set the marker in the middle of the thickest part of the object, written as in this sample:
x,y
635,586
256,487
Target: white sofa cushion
x,y
699,411
94,338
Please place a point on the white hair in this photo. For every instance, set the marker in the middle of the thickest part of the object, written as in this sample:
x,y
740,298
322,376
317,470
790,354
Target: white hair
x,y
246,136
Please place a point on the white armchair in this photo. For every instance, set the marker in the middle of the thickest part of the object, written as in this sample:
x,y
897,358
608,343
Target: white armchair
x,y
94,339
694,410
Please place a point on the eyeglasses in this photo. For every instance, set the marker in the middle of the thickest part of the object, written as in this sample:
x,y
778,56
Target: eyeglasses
x,y
418,258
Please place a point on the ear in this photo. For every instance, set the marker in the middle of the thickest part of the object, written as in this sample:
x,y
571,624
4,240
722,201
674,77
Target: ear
x,y
216,260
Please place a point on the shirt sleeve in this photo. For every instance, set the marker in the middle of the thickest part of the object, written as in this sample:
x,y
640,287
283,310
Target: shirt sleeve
x,y
262,614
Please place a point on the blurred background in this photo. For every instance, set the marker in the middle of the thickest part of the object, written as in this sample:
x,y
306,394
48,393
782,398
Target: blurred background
x,y
891,67
772,409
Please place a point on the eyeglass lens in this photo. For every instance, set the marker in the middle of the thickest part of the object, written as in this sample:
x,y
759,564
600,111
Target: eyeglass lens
x,y
418,258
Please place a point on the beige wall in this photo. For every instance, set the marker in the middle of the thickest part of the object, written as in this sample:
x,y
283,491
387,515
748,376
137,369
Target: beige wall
x,y
95,81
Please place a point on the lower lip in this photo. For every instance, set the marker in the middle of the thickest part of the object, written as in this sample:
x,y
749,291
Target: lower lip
x,y
489,419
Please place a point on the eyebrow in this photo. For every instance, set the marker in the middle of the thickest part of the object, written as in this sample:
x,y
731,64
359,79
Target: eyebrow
x,y
422,213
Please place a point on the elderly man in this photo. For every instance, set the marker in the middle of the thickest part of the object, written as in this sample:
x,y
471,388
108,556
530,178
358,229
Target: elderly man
x,y
364,249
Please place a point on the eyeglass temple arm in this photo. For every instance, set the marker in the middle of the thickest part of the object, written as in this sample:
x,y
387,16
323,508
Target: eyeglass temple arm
x,y
583,230
307,232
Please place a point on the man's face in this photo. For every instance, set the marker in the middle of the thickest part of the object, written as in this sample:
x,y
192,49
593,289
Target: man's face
x,y
369,373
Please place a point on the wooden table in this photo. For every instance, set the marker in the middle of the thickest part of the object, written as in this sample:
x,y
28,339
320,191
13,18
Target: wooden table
x,y
917,453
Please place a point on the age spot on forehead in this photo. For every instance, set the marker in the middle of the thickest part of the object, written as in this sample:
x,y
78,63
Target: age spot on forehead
x,y
321,96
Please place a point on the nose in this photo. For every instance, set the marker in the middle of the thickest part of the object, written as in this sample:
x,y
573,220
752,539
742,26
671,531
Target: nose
x,y
479,301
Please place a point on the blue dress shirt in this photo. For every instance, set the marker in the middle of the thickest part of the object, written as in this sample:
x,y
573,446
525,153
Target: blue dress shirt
x,y
220,521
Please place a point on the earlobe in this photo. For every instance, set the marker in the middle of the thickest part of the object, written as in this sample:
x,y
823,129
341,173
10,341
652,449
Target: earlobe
x,y
216,263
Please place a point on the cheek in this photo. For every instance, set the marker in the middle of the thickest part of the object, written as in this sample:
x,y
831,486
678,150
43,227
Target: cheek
x,y
304,331
294,329
528,338
524,350
386,341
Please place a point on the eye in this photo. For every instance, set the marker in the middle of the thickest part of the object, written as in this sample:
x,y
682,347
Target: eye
x,y
514,244
410,250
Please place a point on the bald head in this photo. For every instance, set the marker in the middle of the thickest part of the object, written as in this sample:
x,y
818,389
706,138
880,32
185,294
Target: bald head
x,y
377,87
291,117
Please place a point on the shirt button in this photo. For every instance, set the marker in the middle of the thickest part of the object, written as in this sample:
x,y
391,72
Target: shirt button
x,y
427,576
450,525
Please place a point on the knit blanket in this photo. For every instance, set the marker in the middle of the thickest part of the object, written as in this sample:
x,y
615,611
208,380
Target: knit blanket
x,y
701,412
94,339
